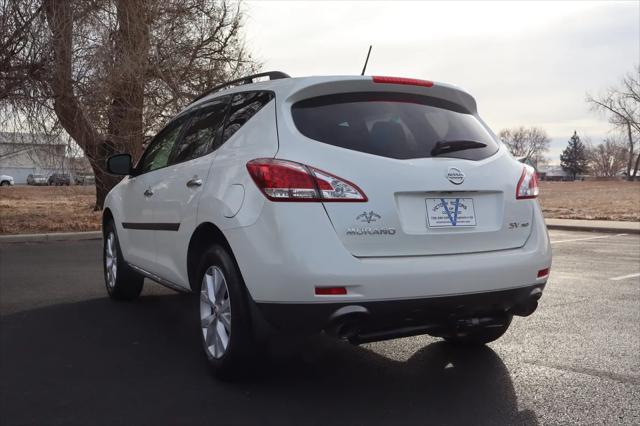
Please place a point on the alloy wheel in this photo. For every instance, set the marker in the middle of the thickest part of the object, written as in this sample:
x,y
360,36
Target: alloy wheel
x,y
111,259
215,312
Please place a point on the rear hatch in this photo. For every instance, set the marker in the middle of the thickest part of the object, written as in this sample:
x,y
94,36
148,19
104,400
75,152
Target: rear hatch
x,y
436,179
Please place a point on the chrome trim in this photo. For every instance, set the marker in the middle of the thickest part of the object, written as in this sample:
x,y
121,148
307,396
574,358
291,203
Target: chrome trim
x,y
194,182
159,280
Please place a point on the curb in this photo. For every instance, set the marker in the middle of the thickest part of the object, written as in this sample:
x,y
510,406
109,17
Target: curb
x,y
56,236
603,229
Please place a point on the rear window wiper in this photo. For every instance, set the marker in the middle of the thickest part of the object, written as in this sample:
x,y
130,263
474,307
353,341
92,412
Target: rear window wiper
x,y
442,147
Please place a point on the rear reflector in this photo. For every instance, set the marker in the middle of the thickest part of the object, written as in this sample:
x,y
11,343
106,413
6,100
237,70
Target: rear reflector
x,y
543,272
330,291
402,80
527,185
282,180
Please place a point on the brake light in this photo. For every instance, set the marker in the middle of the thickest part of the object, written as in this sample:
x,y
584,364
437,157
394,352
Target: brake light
x,y
330,291
402,80
527,185
283,180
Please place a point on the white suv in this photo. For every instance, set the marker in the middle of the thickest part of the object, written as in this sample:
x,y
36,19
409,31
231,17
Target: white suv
x,y
368,207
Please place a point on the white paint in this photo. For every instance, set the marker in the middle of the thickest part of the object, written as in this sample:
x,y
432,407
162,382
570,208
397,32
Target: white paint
x,y
624,277
285,249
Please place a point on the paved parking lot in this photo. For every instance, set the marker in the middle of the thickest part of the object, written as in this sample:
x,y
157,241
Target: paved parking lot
x,y
68,355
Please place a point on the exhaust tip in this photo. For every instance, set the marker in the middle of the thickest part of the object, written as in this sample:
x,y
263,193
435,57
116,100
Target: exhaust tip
x,y
529,306
345,322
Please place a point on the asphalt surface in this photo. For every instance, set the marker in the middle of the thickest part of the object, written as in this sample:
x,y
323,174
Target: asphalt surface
x,y
69,355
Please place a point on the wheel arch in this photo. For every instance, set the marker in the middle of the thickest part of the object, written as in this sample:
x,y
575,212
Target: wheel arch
x,y
204,235
106,217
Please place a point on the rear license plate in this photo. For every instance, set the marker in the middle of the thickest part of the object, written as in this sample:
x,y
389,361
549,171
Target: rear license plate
x,y
448,212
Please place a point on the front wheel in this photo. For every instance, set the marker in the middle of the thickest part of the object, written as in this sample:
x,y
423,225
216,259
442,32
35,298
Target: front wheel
x,y
224,321
480,335
121,281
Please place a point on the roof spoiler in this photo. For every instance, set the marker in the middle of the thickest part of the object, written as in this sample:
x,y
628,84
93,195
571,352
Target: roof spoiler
x,y
273,75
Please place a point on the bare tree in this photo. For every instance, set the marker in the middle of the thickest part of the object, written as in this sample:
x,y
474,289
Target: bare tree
x,y
622,106
110,72
20,59
530,143
609,158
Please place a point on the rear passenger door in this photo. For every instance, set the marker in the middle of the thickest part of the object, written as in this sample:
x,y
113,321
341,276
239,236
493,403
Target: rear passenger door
x,y
180,185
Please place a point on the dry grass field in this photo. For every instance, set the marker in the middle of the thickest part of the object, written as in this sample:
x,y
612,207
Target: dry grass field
x,y
617,200
28,209
34,209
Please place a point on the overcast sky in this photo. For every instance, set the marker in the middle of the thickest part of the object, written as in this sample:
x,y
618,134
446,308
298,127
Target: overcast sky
x,y
525,63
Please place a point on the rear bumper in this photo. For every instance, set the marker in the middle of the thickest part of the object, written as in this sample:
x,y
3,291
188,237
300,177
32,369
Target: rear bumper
x,y
282,262
431,315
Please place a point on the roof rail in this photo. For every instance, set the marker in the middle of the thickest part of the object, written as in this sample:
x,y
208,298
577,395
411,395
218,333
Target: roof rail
x,y
273,75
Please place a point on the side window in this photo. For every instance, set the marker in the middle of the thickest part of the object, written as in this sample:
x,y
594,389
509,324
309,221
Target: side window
x,y
157,155
243,107
199,138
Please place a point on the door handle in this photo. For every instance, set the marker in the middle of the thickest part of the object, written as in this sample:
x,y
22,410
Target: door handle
x,y
194,182
148,192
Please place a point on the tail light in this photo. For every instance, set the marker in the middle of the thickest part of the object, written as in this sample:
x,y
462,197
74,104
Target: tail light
x,y
282,180
527,185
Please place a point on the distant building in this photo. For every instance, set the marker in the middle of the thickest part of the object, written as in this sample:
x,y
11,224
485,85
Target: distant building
x,y
555,173
22,154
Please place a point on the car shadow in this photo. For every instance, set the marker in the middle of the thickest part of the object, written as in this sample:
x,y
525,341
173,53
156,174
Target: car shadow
x,y
104,362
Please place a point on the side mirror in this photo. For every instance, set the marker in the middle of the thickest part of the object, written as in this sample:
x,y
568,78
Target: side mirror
x,y
119,164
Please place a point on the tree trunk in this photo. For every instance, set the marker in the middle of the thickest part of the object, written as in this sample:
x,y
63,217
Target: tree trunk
x,y
104,182
127,92
65,103
125,115
630,161
635,169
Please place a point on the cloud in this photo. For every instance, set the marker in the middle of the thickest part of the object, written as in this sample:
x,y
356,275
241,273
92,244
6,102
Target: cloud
x,y
526,63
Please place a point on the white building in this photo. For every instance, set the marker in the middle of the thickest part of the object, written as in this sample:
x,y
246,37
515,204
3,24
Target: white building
x,y
22,154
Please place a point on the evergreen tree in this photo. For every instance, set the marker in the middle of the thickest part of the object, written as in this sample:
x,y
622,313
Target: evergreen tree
x,y
574,159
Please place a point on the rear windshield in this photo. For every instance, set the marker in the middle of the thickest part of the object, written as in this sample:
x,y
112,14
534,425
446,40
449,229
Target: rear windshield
x,y
393,125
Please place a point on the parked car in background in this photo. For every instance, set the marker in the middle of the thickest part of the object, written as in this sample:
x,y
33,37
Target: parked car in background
x,y
85,180
59,179
6,180
37,180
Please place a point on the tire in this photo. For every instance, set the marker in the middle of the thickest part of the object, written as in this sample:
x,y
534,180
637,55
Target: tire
x,y
4,183
223,315
121,281
479,336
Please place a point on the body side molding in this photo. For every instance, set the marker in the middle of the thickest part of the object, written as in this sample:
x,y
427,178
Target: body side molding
x,y
151,226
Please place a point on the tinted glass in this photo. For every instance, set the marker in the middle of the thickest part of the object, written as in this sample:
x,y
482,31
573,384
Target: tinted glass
x,y
157,155
199,138
391,125
243,107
